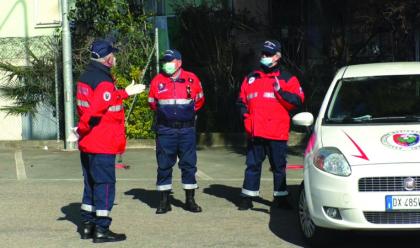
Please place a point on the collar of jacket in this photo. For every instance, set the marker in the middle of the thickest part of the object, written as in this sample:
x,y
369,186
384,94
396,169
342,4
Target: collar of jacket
x,y
274,73
270,70
99,66
178,79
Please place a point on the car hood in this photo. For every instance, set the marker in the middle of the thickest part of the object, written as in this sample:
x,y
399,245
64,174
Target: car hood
x,y
374,144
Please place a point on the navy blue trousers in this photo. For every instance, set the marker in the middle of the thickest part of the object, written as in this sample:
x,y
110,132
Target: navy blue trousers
x,y
257,150
173,143
99,188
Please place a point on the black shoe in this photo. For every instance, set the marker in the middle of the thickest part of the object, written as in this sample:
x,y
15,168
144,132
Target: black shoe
x,y
164,203
86,230
190,203
107,236
245,204
282,202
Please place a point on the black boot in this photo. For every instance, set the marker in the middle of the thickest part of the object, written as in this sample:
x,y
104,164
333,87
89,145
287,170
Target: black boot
x,y
86,230
246,203
107,236
164,203
190,204
282,202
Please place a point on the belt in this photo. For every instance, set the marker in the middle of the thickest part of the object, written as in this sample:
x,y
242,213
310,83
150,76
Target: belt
x,y
176,124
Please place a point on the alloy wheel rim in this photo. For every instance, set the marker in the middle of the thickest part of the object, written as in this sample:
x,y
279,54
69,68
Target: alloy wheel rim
x,y
306,223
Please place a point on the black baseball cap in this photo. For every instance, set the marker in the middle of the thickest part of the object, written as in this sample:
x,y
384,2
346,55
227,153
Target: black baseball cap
x,y
171,54
101,48
271,47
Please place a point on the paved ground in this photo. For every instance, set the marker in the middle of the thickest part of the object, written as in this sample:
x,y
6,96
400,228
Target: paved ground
x,y
41,191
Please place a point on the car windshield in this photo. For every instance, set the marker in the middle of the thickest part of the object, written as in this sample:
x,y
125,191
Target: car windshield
x,y
379,99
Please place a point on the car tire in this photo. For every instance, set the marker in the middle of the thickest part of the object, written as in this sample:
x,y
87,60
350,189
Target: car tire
x,y
313,234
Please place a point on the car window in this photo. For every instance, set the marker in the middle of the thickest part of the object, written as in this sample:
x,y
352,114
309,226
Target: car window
x,y
380,99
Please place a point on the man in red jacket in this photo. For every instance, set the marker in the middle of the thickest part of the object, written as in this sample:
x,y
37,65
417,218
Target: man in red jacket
x,y
266,97
101,136
176,95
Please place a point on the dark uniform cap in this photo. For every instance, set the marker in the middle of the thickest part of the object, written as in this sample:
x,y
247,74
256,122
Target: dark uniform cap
x,y
171,55
271,47
101,48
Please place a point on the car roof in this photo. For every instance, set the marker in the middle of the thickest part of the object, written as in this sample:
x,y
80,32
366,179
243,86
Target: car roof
x,y
382,69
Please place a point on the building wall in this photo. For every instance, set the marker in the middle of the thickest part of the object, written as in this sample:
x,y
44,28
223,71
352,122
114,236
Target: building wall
x,y
21,20
28,18
10,126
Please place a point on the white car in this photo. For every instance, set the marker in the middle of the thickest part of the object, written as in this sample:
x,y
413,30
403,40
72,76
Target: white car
x,y
362,161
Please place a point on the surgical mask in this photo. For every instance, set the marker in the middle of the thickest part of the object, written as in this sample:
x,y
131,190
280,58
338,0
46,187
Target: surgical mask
x,y
266,61
169,68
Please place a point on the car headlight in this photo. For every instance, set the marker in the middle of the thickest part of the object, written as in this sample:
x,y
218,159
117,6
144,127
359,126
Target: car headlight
x,y
331,160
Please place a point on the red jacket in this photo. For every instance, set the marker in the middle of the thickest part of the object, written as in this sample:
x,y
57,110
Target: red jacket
x,y
265,108
176,100
101,114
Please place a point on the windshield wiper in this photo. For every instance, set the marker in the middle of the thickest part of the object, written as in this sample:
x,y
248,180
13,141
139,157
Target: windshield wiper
x,y
362,118
345,120
369,118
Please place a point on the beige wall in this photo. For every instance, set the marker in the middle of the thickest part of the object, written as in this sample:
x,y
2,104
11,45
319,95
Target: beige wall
x,y
10,126
24,18
28,18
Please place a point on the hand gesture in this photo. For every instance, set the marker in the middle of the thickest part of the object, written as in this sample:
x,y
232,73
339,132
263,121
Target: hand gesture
x,y
133,89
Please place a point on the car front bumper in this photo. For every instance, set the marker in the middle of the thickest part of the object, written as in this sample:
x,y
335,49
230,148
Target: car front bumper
x,y
359,210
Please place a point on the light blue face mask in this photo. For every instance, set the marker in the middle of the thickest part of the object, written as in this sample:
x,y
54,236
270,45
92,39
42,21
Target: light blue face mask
x,y
267,61
169,68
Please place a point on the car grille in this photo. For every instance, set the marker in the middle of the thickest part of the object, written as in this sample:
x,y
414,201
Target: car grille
x,y
393,217
380,184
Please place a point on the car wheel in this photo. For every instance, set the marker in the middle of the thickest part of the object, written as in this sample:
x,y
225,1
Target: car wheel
x,y
313,234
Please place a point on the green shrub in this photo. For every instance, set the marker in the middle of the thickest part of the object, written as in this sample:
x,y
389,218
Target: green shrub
x,y
127,23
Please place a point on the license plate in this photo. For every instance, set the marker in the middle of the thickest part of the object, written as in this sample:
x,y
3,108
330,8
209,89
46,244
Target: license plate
x,y
402,202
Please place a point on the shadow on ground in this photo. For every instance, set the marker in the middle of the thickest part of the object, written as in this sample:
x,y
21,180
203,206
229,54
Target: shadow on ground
x,y
72,213
283,223
151,197
370,239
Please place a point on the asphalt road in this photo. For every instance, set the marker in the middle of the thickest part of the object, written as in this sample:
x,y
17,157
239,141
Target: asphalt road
x,y
41,193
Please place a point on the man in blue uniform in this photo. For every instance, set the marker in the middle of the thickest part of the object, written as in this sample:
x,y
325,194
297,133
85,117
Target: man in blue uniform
x,y
101,136
175,95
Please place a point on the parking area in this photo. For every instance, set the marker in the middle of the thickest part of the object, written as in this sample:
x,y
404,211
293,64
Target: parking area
x,y
41,192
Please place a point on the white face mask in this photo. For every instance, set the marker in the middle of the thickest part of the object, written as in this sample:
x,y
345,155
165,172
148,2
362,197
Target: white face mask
x,y
169,68
267,61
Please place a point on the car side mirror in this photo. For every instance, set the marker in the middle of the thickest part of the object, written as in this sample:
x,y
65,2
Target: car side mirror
x,y
305,119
